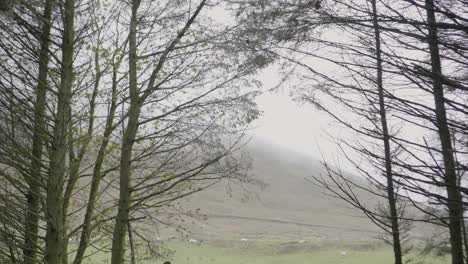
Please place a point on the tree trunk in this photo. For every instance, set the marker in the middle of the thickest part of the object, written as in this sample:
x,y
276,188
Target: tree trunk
x,y
465,240
453,193
74,167
96,179
90,207
132,244
55,183
386,139
32,196
120,228
75,162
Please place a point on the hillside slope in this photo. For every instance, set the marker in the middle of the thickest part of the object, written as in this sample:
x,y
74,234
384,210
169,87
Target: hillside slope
x,y
290,206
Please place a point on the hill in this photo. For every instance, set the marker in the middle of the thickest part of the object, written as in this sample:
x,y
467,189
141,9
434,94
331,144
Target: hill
x,y
289,207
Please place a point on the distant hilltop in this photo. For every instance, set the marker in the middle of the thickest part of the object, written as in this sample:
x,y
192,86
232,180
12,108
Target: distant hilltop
x,y
289,206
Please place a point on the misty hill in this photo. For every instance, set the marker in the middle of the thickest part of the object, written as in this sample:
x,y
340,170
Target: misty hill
x,y
289,207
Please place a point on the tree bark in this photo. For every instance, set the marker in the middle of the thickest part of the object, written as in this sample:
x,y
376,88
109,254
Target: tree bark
x,y
32,196
132,244
96,179
386,140
55,183
75,161
120,228
453,193
136,102
465,240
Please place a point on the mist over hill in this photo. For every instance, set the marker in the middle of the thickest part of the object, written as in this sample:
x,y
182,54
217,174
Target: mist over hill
x,y
289,206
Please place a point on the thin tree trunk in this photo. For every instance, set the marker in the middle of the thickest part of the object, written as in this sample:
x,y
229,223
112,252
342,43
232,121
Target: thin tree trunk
x,y
386,139
73,171
96,179
55,183
465,240
453,193
118,240
32,196
75,162
136,101
132,244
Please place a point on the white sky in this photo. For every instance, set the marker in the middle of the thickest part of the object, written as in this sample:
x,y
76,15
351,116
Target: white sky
x,y
290,124
285,123
299,127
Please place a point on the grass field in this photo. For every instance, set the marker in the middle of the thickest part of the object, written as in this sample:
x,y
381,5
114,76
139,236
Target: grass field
x,y
237,252
274,219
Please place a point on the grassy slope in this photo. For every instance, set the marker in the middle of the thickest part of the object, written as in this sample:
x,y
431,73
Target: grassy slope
x,y
286,253
289,207
234,252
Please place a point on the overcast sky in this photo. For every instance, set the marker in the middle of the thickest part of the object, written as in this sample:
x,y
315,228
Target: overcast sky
x,y
299,127
294,125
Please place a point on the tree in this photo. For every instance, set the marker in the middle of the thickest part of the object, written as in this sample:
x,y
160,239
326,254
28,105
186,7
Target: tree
x,y
24,53
39,134
185,81
453,194
55,181
416,170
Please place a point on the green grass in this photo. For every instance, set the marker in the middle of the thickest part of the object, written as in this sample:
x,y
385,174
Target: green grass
x,y
228,252
209,254
283,253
